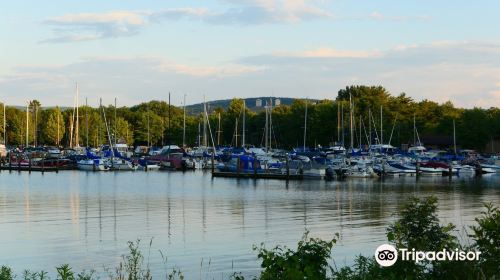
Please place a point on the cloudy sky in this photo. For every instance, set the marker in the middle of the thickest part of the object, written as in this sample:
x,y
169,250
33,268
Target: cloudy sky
x,y
141,50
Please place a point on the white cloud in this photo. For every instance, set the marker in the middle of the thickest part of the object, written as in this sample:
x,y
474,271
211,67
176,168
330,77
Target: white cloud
x,y
278,11
94,26
131,79
466,73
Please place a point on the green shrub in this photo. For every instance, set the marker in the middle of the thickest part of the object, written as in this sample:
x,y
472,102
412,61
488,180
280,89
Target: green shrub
x,y
309,261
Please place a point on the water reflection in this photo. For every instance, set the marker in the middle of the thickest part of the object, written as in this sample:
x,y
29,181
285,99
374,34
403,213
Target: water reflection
x,y
87,218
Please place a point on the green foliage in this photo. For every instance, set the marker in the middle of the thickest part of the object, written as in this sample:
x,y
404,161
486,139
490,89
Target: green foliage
x,y
131,266
6,273
418,227
486,239
474,127
309,261
64,272
52,126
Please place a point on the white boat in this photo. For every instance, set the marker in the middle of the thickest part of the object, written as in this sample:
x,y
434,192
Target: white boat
x,y
92,165
148,167
490,168
464,168
432,171
313,173
360,171
121,164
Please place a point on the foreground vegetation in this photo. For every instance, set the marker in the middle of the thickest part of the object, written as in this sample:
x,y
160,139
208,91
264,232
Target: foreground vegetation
x,y
417,227
475,127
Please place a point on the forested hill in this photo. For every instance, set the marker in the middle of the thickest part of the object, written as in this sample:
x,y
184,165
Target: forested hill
x,y
251,104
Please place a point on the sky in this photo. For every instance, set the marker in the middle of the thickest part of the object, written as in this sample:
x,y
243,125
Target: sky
x,y
137,51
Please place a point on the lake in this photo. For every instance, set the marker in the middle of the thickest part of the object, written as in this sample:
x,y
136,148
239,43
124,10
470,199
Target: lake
x,y
206,226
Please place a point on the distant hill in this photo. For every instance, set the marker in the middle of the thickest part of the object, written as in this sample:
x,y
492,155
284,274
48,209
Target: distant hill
x,y
251,103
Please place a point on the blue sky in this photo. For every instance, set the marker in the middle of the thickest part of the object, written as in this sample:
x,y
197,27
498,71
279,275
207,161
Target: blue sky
x,y
141,50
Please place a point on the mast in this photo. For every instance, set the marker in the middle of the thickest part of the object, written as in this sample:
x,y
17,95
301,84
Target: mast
x,y
454,138
71,125
236,134
57,140
381,130
270,123
199,133
4,126
169,118
266,130
243,134
342,116
77,136
149,136
360,132
305,126
35,132
204,122
184,123
351,120
107,129
116,130
414,131
338,122
27,122
369,127
86,122
218,131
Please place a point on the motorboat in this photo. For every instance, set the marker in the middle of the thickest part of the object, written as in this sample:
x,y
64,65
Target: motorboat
x,y
93,164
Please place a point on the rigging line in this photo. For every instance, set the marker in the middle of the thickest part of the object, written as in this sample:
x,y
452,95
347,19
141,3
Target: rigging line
x,y
366,134
393,126
375,128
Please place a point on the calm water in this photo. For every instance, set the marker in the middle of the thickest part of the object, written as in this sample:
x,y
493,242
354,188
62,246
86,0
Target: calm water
x,y
206,226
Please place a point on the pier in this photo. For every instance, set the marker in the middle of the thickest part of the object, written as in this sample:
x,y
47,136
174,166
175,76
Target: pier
x,y
275,176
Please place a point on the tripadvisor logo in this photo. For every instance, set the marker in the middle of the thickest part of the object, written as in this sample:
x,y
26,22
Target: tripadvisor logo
x,y
387,255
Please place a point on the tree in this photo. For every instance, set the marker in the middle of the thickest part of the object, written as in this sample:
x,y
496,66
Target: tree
x,y
52,126
124,131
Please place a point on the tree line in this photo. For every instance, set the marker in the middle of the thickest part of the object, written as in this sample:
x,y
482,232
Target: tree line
x,y
328,122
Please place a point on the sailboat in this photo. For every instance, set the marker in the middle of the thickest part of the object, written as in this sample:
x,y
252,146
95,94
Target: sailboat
x,y
417,149
380,147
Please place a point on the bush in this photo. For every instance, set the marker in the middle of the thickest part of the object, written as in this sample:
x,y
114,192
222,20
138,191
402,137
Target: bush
x,y
309,261
486,239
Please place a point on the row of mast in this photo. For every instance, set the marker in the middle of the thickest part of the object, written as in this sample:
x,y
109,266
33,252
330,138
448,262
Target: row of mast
x,y
74,125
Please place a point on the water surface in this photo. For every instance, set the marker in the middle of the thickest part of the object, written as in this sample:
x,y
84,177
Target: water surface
x,y
206,226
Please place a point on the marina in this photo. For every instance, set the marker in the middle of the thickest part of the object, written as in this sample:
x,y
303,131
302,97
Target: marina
x,y
249,139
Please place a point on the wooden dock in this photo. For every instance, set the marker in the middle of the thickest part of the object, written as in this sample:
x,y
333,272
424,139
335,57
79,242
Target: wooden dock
x,y
257,175
28,168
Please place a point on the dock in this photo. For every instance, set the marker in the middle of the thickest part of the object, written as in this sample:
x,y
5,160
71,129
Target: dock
x,y
30,168
275,176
